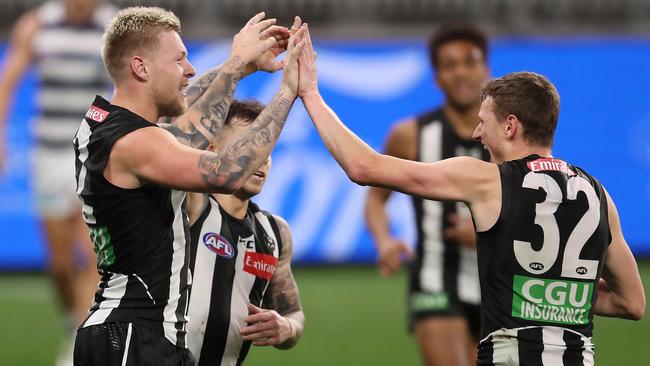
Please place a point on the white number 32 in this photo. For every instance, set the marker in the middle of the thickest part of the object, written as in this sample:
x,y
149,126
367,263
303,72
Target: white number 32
x,y
540,261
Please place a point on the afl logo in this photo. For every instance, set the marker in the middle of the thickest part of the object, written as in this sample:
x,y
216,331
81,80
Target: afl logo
x,y
581,270
536,266
219,245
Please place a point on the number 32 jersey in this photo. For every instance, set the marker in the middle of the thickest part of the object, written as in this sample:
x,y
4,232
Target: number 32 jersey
x,y
540,263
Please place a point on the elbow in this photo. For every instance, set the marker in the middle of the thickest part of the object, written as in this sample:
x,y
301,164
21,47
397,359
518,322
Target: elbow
x,y
637,311
360,171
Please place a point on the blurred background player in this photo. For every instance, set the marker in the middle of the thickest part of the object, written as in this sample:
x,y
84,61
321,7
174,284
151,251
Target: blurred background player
x,y
62,39
444,293
241,266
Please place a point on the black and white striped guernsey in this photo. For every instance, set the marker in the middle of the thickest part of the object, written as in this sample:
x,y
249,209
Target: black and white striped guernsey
x,y
70,68
232,263
540,264
140,235
443,266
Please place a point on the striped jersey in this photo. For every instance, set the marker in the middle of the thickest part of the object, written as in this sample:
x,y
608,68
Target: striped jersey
x,y
540,264
442,265
232,263
70,68
140,235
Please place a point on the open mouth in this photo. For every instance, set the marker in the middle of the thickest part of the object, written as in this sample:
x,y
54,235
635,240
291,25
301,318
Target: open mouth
x,y
260,174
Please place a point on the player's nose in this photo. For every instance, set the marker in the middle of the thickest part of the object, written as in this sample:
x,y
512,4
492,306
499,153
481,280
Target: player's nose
x,y
190,71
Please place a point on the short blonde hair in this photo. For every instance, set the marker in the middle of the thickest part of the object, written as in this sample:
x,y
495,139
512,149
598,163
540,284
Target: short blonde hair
x,y
133,30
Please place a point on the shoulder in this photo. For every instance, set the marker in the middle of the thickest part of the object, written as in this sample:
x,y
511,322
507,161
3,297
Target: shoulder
x,y
283,228
402,139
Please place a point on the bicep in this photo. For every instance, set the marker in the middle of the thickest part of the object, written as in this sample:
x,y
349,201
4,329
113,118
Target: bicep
x,y
283,290
154,155
620,265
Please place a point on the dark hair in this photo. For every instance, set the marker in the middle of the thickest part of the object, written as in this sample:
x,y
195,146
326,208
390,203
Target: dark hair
x,y
530,97
245,111
451,32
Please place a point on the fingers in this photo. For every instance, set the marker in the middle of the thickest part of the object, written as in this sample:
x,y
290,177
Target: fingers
x,y
297,22
252,309
262,316
256,18
296,38
406,250
276,31
264,24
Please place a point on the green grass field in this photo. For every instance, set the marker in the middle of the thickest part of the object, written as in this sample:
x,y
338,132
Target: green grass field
x,y
354,317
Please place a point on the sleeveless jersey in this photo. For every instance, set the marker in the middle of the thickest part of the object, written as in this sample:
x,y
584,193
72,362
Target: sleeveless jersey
x,y
443,266
70,68
540,264
140,235
232,263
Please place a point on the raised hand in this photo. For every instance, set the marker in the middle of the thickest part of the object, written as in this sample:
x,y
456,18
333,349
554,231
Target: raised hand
x,y
307,65
268,61
254,39
295,47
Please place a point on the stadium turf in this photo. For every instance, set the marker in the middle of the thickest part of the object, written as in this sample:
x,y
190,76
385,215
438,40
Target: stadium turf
x,y
354,317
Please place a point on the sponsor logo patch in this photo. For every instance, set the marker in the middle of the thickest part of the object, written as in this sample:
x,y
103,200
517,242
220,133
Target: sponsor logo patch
x,y
96,114
260,265
546,164
551,301
219,245
426,301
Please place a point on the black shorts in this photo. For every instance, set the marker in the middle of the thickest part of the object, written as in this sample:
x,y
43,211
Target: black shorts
x,y
426,305
117,344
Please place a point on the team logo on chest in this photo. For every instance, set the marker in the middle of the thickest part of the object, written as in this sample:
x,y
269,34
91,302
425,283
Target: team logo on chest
x,y
219,245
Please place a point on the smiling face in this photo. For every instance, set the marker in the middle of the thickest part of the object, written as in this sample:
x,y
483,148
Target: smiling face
x,y
461,71
171,72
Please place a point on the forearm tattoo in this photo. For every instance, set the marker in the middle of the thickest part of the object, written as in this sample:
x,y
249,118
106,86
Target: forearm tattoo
x,y
209,100
246,154
282,294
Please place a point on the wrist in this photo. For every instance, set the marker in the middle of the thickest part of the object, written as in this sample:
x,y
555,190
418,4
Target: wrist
x,y
311,96
290,341
235,65
287,91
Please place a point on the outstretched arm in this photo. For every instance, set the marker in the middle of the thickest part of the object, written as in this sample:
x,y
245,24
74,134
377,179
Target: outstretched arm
x,y
282,322
457,179
209,97
620,291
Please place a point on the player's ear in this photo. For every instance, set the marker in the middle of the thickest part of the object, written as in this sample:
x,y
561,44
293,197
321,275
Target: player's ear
x,y
139,68
511,126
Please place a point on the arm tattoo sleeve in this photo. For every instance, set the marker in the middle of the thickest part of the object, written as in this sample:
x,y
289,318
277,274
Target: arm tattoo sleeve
x,y
238,161
282,294
209,99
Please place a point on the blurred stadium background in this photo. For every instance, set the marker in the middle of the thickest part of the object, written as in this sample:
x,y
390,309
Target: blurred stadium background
x,y
374,69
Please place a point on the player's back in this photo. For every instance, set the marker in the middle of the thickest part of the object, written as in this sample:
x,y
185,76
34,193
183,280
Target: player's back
x,y
540,264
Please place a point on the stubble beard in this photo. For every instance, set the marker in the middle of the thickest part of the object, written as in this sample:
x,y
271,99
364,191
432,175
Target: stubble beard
x,y
169,105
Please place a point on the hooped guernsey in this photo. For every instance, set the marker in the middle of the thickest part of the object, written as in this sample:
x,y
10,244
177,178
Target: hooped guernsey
x,y
233,262
140,235
540,264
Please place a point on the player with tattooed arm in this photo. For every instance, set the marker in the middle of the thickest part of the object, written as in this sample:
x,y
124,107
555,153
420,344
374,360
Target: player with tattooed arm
x,y
128,168
243,290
